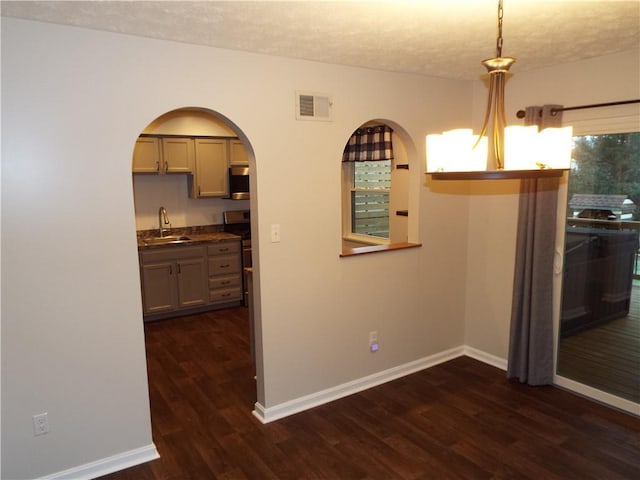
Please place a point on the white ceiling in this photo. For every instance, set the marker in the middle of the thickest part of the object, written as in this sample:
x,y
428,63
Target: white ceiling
x,y
445,38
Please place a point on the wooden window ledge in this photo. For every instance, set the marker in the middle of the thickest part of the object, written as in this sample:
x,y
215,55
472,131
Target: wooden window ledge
x,y
350,252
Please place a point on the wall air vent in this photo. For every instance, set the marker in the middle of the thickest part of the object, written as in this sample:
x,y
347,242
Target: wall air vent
x,y
313,106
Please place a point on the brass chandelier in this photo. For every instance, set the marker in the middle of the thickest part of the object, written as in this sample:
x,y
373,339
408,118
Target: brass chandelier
x,y
518,151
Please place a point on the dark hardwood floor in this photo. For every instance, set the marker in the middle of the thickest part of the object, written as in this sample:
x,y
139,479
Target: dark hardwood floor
x,y
460,419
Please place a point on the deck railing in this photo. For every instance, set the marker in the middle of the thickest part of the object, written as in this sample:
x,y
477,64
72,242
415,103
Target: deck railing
x,y
628,225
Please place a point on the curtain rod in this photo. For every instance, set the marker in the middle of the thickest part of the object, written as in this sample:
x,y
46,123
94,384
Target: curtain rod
x,y
522,114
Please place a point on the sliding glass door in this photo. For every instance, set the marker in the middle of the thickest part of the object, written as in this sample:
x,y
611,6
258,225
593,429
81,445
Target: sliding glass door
x,y
599,331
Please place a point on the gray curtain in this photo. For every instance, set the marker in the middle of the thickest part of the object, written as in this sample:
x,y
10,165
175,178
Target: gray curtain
x,y
531,335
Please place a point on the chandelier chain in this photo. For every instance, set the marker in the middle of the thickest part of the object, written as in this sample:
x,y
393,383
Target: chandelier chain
x,y
499,39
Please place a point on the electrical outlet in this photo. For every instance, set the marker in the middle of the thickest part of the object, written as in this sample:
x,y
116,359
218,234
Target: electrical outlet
x,y
373,341
40,424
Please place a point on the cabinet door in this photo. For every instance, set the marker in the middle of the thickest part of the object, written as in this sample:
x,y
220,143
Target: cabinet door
x,y
147,155
211,167
159,292
177,154
237,153
192,282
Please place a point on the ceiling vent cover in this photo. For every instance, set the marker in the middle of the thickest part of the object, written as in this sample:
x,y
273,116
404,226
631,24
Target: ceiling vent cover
x,y
313,106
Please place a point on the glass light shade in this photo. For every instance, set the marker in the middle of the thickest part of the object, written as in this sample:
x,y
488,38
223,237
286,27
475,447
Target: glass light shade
x,y
527,149
556,145
520,148
456,151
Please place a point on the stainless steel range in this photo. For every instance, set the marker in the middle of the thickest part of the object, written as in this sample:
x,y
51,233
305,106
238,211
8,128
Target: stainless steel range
x,y
238,222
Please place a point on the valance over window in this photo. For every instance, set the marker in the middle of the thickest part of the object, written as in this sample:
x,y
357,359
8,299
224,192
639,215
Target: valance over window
x,y
369,144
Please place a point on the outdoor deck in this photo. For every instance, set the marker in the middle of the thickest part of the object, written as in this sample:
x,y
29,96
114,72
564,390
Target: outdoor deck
x,y
607,357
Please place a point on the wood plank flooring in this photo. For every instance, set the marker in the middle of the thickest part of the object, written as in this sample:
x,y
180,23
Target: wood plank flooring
x,y
460,419
606,357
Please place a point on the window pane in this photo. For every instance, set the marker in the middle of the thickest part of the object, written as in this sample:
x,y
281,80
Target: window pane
x,y
607,165
370,213
600,310
370,198
372,175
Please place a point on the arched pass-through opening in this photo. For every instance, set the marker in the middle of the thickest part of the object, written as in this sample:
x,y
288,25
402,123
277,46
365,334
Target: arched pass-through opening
x,y
181,176
379,189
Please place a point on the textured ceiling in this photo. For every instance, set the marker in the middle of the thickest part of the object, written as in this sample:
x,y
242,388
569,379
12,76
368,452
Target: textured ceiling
x,y
445,38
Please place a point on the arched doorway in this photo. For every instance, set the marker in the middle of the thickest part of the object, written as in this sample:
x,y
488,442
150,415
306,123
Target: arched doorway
x,y
170,202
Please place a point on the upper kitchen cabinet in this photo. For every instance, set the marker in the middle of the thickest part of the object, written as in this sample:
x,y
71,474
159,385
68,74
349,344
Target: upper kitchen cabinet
x,y
177,153
237,154
147,155
163,155
212,162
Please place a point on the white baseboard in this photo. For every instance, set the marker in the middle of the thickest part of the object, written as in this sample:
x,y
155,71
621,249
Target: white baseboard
x,y
270,414
485,357
597,395
107,465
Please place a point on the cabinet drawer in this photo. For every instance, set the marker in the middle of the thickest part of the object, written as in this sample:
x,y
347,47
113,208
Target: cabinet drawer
x,y
223,248
224,282
226,295
224,264
171,253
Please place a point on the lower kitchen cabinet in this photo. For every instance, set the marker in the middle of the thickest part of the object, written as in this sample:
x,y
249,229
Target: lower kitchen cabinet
x,y
225,272
159,291
183,279
173,278
192,276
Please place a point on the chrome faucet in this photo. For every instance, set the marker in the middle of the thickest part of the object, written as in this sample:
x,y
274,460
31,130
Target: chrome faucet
x,y
163,219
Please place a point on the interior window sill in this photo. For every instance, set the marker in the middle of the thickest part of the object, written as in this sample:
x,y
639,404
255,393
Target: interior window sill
x,y
350,252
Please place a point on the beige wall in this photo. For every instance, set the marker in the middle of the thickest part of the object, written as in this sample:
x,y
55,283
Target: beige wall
x,y
74,101
172,192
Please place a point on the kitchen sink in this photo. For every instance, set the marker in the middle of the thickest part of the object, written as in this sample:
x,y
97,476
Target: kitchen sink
x,y
170,239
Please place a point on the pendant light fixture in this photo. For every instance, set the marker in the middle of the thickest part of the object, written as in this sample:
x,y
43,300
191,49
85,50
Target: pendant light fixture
x,y
518,151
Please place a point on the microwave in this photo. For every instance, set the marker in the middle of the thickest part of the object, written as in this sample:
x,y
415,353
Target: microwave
x,y
239,183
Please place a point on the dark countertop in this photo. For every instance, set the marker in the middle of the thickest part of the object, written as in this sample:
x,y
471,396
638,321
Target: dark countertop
x,y
197,235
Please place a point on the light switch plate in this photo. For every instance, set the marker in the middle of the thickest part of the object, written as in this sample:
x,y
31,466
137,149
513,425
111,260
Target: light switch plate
x,y
275,233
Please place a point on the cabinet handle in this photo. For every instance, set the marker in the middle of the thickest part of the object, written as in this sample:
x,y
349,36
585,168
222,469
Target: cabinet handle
x,y
170,269
198,190
227,282
225,266
179,268
223,249
157,166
